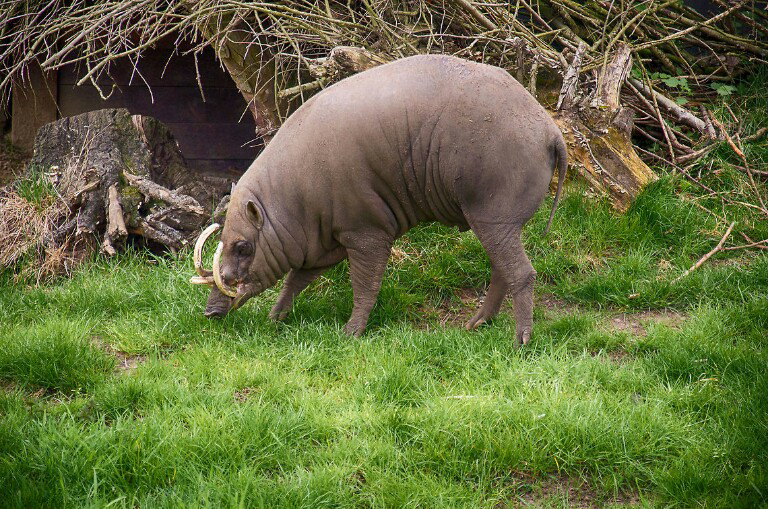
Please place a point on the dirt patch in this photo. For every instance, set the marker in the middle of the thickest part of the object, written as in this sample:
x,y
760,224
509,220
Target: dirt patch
x,y
242,395
454,312
555,304
7,386
33,395
617,356
534,492
125,362
457,312
635,323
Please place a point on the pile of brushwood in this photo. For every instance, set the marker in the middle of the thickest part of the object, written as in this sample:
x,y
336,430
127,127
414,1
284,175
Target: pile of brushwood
x,y
631,83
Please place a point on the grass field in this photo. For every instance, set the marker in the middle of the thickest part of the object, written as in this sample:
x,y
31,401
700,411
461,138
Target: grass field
x,y
634,391
118,390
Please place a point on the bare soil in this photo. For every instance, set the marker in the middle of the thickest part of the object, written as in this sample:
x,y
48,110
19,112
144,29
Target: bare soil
x,y
244,394
636,323
125,362
556,305
456,312
532,491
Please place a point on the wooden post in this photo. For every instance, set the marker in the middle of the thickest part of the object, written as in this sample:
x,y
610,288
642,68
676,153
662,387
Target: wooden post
x,y
33,106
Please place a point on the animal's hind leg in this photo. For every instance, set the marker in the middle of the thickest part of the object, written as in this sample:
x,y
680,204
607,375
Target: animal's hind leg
x,y
504,246
493,300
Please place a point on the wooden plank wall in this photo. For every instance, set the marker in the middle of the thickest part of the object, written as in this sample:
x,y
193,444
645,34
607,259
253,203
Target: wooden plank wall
x,y
214,130
33,104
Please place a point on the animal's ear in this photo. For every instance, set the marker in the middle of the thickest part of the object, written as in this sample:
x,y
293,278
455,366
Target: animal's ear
x,y
254,214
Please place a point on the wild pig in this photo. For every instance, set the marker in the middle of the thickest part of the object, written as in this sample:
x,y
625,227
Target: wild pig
x,y
425,138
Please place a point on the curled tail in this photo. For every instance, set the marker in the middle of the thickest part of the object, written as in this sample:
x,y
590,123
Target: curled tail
x,y
562,166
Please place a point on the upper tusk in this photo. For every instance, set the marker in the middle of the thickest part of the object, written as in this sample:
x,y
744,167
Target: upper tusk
x,y
224,288
198,256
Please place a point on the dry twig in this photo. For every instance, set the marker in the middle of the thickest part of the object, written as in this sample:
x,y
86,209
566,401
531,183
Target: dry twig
x,y
707,256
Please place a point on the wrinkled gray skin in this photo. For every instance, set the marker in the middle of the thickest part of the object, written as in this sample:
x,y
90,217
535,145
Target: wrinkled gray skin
x,y
426,138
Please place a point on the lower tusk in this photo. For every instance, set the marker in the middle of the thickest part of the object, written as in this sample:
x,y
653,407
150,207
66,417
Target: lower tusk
x,y
202,280
224,288
198,256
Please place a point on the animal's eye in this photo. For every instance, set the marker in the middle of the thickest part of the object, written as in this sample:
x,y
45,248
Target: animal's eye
x,y
244,248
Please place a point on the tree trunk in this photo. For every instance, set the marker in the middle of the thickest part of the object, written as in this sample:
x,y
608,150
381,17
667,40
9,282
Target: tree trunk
x,y
598,132
252,68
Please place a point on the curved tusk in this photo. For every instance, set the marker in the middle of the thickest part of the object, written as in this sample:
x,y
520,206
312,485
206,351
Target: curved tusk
x,y
198,257
202,280
225,289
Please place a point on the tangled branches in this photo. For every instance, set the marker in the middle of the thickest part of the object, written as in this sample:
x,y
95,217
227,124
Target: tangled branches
x,y
683,57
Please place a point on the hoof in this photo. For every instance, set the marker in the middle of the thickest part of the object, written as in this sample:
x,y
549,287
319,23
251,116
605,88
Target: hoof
x,y
475,322
523,336
278,315
355,330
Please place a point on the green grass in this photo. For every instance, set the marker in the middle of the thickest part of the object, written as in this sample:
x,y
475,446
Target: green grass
x,y
244,412
36,188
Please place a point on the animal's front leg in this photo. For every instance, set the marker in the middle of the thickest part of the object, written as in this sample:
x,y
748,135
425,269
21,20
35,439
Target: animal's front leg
x,y
295,282
368,254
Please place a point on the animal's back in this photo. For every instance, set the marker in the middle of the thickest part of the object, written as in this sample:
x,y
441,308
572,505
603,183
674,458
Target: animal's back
x,y
417,139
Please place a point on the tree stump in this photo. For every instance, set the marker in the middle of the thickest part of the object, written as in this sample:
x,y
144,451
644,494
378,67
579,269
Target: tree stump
x,y
116,176
598,130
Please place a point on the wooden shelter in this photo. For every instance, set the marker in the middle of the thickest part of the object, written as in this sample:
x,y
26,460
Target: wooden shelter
x,y
191,94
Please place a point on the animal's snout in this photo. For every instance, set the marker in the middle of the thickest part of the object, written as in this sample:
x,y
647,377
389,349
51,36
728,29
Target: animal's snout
x,y
228,276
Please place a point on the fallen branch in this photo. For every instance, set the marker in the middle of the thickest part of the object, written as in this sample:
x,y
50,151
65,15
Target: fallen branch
x,y
300,89
158,192
762,244
707,256
741,155
683,115
567,96
162,235
713,145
